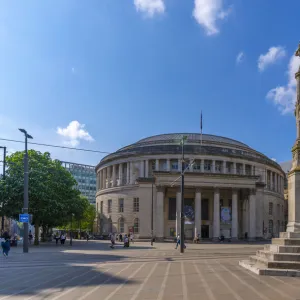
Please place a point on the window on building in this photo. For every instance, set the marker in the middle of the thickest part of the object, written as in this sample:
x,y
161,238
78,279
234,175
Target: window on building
x,y
207,165
218,167
136,204
172,208
136,225
228,167
174,165
109,203
101,207
97,206
229,202
121,225
205,209
121,205
271,226
278,209
197,165
270,208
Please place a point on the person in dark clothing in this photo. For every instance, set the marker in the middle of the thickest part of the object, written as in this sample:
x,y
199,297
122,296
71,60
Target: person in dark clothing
x,y
5,244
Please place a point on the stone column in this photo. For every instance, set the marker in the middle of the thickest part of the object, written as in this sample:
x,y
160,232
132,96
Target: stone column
x,y
104,177
168,165
128,173
160,213
252,214
157,165
275,182
197,227
216,226
234,221
114,175
234,168
132,173
224,167
98,181
142,170
179,164
178,210
271,181
259,209
147,168
202,166
191,167
213,166
120,174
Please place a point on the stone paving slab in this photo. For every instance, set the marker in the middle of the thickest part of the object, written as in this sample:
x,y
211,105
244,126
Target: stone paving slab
x,y
91,270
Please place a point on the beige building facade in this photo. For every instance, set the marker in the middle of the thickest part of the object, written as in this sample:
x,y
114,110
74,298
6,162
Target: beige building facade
x,y
230,189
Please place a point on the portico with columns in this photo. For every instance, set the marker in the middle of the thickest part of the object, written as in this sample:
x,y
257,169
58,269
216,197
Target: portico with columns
x,y
206,201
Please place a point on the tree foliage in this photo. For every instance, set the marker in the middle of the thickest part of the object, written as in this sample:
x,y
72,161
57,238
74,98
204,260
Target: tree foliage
x,y
53,197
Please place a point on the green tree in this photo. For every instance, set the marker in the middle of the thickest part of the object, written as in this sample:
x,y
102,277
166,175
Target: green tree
x,y
52,196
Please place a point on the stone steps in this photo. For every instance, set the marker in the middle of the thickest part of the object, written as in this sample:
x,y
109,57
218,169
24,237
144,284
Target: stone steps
x,y
292,265
260,269
282,249
286,242
273,256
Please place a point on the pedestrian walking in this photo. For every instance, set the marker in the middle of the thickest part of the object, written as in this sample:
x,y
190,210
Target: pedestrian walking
x,y
30,237
5,244
177,241
62,239
112,240
131,238
57,238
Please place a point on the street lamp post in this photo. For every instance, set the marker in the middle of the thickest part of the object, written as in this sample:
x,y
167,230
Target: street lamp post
x,y
25,206
152,218
3,176
182,197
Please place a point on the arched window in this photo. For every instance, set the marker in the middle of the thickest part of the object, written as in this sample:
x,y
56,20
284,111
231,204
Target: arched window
x,y
121,225
136,225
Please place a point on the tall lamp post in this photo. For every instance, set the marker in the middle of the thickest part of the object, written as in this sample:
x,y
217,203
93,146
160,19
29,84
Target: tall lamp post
x,y
152,217
182,196
3,176
25,206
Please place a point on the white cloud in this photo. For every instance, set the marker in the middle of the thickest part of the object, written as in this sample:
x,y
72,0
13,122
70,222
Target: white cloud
x,y
284,97
208,12
274,159
74,132
240,57
272,56
150,7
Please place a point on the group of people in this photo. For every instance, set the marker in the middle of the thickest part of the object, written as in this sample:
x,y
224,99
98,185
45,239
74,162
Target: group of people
x,y
127,238
60,237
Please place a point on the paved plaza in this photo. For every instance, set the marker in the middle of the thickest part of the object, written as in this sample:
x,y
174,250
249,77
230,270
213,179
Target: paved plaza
x,y
91,270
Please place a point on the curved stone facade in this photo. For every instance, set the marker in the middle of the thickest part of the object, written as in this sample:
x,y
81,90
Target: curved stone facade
x,y
223,178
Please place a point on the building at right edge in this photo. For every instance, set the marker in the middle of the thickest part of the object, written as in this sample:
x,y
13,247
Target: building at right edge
x,y
230,189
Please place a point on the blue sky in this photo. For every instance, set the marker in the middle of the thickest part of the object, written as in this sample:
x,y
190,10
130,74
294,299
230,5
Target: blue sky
x,y
136,68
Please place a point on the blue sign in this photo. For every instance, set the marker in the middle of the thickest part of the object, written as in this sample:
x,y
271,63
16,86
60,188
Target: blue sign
x,y
24,218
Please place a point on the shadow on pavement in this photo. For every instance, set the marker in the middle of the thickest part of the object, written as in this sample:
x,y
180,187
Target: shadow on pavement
x,y
58,274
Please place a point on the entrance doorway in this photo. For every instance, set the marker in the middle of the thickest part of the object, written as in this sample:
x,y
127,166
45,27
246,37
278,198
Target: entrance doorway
x,y
204,231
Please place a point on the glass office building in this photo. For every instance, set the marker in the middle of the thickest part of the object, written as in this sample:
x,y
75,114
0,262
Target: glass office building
x,y
86,178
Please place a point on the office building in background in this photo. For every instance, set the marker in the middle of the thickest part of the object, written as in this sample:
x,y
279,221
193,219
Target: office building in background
x,y
86,178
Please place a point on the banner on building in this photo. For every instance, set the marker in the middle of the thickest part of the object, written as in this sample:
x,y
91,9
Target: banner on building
x,y
225,215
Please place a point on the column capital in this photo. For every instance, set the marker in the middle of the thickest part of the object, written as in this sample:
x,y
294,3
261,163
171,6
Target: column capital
x,y
216,190
160,189
235,190
198,190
